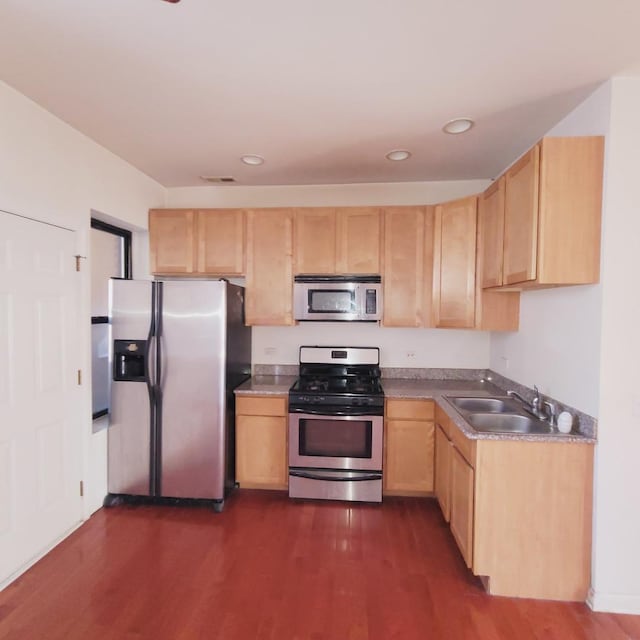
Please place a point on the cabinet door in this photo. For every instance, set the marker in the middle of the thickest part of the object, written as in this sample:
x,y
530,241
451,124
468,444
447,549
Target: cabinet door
x,y
269,296
521,218
495,310
172,241
454,265
462,486
491,234
403,281
408,465
315,241
221,242
261,452
358,240
442,476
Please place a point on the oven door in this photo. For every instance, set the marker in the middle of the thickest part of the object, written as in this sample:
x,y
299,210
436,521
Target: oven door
x,y
321,441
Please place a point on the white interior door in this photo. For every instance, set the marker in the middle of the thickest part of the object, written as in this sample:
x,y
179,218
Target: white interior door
x,y
40,441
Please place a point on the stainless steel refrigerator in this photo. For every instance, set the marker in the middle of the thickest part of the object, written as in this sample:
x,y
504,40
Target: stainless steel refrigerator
x,y
178,349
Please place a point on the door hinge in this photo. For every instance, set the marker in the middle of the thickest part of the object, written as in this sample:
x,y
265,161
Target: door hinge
x,y
81,488
79,377
78,258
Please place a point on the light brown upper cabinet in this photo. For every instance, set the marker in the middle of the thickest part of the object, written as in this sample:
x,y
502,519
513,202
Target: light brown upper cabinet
x,y
491,234
221,241
454,263
172,241
315,240
359,236
495,310
553,200
269,261
407,256
342,240
186,241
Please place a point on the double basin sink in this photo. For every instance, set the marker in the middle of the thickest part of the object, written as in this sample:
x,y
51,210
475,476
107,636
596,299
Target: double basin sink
x,y
499,415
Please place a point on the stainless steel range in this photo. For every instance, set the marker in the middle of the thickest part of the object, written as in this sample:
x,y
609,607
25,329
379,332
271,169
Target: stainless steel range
x,y
336,410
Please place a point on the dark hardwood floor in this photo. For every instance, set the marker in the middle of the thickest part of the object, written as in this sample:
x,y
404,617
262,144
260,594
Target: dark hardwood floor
x,y
271,568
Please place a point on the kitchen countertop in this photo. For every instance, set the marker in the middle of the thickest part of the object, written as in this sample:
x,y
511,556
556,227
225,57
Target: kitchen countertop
x,y
427,389
266,386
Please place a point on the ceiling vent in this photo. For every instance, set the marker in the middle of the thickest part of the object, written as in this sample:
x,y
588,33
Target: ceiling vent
x,y
218,179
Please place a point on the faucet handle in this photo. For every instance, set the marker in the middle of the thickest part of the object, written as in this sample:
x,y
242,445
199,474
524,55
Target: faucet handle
x,y
550,410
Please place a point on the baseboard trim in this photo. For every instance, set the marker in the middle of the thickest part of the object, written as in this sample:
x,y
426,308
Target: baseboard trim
x,y
613,603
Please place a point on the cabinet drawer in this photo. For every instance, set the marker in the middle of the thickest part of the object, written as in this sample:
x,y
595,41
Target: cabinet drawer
x,y
410,409
261,406
465,446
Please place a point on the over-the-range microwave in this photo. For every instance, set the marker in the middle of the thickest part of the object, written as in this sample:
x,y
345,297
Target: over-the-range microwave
x,y
354,298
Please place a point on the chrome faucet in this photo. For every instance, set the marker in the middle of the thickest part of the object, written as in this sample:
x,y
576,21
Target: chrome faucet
x,y
540,408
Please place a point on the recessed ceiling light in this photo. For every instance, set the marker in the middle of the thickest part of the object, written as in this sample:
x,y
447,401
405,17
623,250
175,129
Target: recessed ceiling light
x,y
398,154
458,125
252,159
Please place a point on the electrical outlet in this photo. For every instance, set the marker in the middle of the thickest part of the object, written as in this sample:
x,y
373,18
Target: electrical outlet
x,y
505,362
411,355
270,351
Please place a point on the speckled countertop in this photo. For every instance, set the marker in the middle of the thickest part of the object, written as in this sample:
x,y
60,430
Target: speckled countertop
x,y
436,390
266,385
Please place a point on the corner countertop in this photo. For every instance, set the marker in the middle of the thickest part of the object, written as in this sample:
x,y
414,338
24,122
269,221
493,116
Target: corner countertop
x,y
425,389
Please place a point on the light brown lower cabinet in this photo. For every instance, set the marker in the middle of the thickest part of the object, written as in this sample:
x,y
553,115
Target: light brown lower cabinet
x,y
409,445
442,475
261,442
461,522
520,511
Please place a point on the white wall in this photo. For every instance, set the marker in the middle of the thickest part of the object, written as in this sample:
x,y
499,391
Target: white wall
x,y
345,195
398,347
616,575
581,345
430,348
557,344
51,172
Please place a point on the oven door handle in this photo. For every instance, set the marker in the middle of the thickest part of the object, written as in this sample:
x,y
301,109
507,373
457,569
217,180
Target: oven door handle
x,y
332,476
364,411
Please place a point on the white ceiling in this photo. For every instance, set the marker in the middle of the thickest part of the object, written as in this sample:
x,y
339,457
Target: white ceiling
x,y
321,90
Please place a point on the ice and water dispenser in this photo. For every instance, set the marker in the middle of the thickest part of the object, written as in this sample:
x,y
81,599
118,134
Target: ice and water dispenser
x,y
129,358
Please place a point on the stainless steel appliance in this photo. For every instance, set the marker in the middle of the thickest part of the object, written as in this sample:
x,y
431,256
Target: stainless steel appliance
x,y
354,298
336,410
178,349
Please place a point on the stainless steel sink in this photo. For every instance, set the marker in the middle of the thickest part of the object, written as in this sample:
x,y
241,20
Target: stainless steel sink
x,y
507,423
485,405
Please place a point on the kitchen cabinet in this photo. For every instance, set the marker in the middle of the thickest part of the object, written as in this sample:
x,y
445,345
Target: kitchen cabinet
x,y
172,241
269,267
454,263
359,233
442,474
315,240
520,511
408,266
187,241
343,240
462,488
261,442
220,237
552,210
495,310
409,447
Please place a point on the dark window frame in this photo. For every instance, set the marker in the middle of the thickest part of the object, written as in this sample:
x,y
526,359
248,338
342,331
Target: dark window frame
x,y
125,234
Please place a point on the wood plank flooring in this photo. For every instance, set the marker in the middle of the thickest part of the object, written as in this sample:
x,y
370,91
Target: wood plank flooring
x,y
270,568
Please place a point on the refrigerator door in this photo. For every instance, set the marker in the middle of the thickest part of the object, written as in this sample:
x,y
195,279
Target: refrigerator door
x,y
192,382
130,414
